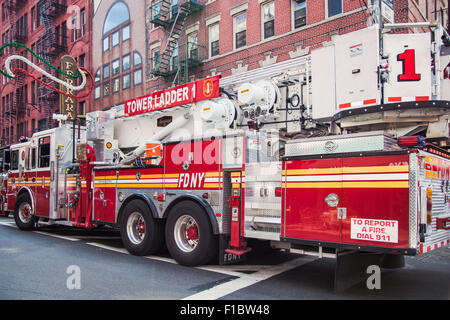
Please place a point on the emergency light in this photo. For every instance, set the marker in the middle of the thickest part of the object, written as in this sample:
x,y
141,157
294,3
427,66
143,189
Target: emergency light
x,y
411,141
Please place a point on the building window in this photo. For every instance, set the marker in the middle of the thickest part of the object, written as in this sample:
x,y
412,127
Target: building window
x,y
156,10
137,77
214,40
74,31
137,59
334,7
268,21
193,45
126,81
115,39
97,92
174,60
126,33
117,15
33,18
106,89
82,60
83,22
126,62
240,30
97,75
64,34
116,84
115,65
156,56
106,44
299,13
82,108
106,71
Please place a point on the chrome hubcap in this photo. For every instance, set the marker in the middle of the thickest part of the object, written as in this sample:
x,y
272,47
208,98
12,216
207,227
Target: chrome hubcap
x,y
186,233
136,228
25,212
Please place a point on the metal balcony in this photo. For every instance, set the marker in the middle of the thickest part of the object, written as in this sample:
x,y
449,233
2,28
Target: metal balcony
x,y
15,5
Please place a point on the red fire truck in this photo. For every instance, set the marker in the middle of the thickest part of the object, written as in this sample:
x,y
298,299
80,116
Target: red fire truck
x,y
205,166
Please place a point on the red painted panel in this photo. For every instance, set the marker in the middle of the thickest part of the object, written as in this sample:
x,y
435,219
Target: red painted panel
x,y
42,194
204,164
105,196
307,216
374,190
378,204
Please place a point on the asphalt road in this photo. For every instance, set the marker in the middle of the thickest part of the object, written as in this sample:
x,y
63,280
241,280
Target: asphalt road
x,y
39,265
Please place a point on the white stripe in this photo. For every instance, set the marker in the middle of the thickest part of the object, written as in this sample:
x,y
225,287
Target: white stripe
x,y
213,180
55,236
8,224
350,177
244,281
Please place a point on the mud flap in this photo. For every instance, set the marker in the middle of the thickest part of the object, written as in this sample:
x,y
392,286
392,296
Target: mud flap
x,y
351,267
225,257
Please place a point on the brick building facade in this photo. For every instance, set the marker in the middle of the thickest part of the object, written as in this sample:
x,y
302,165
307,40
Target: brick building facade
x,y
271,31
51,28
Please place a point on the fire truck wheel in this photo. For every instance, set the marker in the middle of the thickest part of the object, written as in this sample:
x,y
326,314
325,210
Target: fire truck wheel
x,y
189,236
141,233
23,213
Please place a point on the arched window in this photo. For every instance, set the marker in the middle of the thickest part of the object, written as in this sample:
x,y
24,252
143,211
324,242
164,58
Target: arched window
x,y
117,15
137,59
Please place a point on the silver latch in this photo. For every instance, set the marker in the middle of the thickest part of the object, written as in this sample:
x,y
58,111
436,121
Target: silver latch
x,y
342,213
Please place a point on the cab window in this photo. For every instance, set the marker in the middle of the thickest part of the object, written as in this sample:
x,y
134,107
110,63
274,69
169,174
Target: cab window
x,y
15,160
33,158
44,152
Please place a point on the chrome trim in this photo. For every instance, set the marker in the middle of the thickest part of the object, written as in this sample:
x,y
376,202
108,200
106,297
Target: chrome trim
x,y
413,195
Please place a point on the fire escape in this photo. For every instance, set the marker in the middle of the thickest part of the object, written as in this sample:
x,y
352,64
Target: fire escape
x,y
18,30
176,59
52,43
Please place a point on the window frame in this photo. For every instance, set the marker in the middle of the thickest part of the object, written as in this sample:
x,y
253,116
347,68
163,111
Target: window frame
x,y
129,62
112,67
327,9
134,77
294,11
235,32
210,32
123,82
107,41
115,33
263,21
40,156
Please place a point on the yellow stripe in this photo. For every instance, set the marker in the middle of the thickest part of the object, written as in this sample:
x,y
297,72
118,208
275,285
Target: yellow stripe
x,y
353,184
212,174
373,169
171,185
211,185
172,175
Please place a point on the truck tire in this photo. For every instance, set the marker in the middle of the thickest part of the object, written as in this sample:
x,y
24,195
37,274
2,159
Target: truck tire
x,y
23,213
141,233
189,236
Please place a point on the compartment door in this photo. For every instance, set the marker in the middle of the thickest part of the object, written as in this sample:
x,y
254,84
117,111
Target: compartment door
x,y
376,198
312,195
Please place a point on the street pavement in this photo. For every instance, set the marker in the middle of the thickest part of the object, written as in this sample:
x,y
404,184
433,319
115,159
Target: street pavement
x,y
40,265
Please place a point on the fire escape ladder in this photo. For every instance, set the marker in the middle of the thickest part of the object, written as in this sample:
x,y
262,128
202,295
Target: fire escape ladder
x,y
173,18
163,65
50,45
